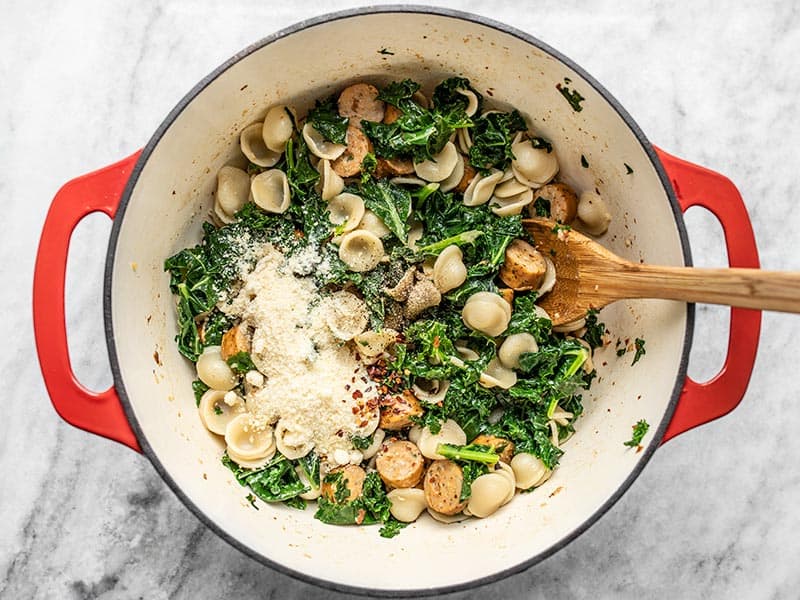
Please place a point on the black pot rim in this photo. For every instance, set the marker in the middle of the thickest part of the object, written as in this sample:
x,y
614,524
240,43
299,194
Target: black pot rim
x,y
111,342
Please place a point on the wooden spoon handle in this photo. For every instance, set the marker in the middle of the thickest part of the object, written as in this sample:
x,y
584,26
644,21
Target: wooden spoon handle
x,y
747,288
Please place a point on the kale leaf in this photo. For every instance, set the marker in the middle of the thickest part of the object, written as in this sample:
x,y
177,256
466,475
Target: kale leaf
x,y
241,363
325,118
492,136
639,431
525,319
640,351
391,203
277,481
445,95
199,388
594,330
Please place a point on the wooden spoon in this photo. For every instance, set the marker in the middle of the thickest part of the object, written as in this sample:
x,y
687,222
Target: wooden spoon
x,y
589,277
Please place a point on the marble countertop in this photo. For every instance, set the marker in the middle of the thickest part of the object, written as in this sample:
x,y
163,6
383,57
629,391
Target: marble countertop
x,y
714,515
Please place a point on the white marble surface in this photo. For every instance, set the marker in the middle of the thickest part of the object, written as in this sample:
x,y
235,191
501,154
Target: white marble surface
x,y
714,515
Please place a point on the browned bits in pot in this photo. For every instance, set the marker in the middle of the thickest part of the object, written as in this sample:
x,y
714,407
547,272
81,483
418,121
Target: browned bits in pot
x,y
360,102
397,410
524,266
442,487
234,341
563,202
503,447
400,464
358,146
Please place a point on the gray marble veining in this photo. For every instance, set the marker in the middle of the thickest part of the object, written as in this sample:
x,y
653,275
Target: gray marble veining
x,y
714,515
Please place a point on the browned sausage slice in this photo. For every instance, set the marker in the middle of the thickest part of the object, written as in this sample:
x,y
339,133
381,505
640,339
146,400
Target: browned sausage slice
x,y
394,166
234,341
391,114
466,178
400,464
507,294
524,266
442,487
360,102
358,146
397,410
563,202
352,479
502,446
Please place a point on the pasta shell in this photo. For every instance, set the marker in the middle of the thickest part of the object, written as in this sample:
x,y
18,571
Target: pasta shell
x,y
407,504
570,327
252,144
292,441
319,146
256,463
270,191
415,234
377,441
345,314
449,271
486,312
330,183
373,223
361,250
533,166
496,375
314,492
221,214
430,392
233,189
215,413
506,207
278,127
506,471
215,372
346,210
529,470
510,187
374,343
488,493
247,442
472,101
447,519
515,346
481,188
408,181
549,278
593,213
464,140
452,180
450,433
440,167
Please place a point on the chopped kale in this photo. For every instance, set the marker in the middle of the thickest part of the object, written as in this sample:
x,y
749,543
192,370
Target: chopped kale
x,y
391,203
639,431
199,388
325,118
594,330
241,363
572,96
277,481
492,136
640,351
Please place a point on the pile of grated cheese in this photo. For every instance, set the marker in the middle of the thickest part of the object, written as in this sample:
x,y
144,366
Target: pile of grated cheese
x,y
313,382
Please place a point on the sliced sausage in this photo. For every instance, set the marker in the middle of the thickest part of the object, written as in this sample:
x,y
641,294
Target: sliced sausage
x,y
466,178
400,464
352,478
234,341
563,202
442,486
360,102
391,114
397,410
508,295
502,446
358,146
524,266
394,166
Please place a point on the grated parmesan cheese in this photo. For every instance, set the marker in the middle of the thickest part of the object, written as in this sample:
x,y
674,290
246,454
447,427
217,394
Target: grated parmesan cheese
x,y
313,382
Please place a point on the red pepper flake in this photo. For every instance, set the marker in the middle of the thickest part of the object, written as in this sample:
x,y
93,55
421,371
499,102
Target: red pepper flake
x,y
347,387
357,394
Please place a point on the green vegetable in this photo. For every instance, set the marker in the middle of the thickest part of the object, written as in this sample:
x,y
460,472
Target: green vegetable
x,y
572,96
215,325
594,330
391,203
241,363
277,481
325,118
492,137
639,431
310,466
445,95
640,351
472,452
541,206
361,442
199,388
525,320
252,500
372,506
391,528
470,472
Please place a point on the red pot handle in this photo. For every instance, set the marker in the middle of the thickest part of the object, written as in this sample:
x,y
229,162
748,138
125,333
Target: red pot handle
x,y
703,402
99,413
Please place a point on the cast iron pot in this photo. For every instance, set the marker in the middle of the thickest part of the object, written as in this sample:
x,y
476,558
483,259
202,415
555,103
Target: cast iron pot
x,y
159,196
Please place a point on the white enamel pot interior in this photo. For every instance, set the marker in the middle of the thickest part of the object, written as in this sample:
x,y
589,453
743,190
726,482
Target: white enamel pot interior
x,y
170,194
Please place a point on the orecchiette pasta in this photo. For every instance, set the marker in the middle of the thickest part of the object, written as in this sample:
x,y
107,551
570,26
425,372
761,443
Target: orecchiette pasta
x,y
430,391
292,441
330,183
450,433
464,140
533,166
377,441
442,518
569,327
233,190
510,187
372,223
481,188
506,471
270,191
406,503
414,235
593,213
215,413
361,250
440,167
455,177
346,315
319,146
549,278
248,442
346,210
374,343
214,371
278,127
489,492
314,492
251,141
486,312
449,271
513,205
496,375
529,470
515,346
